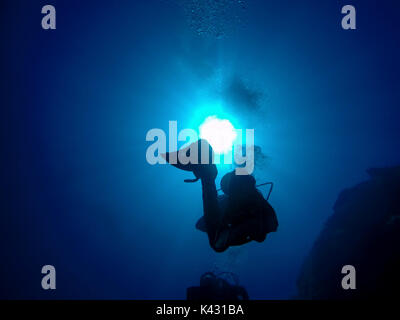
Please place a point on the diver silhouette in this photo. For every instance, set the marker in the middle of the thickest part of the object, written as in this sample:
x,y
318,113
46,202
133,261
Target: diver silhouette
x,y
237,217
216,287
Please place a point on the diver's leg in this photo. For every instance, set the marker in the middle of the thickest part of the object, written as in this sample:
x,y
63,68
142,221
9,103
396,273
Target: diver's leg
x,y
204,169
212,214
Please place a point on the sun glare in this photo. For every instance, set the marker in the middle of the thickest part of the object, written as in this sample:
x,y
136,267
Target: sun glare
x,y
220,133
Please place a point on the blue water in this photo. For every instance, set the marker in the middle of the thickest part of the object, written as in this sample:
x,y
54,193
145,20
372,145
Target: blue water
x,y
78,101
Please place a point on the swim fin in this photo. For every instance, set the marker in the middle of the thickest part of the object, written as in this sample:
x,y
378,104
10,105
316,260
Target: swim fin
x,y
200,163
201,225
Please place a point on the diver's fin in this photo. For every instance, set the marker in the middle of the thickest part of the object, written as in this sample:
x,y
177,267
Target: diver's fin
x,y
202,158
201,225
191,180
172,158
205,155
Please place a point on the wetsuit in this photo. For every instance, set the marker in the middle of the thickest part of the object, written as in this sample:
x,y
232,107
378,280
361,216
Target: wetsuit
x,y
235,219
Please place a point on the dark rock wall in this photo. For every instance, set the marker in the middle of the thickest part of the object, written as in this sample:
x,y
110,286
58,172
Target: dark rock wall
x,y
364,231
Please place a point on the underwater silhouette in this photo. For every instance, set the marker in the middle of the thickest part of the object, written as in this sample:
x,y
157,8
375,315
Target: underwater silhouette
x,y
217,287
237,217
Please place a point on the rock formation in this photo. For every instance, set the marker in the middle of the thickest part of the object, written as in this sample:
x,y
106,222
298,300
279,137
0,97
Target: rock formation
x,y
364,231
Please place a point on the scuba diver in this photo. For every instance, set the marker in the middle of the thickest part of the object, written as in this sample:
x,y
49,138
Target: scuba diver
x,y
216,287
235,218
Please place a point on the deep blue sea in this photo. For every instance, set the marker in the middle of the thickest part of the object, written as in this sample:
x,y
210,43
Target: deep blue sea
x,y
78,101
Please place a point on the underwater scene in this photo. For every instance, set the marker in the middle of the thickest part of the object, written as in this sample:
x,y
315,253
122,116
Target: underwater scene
x,y
200,149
